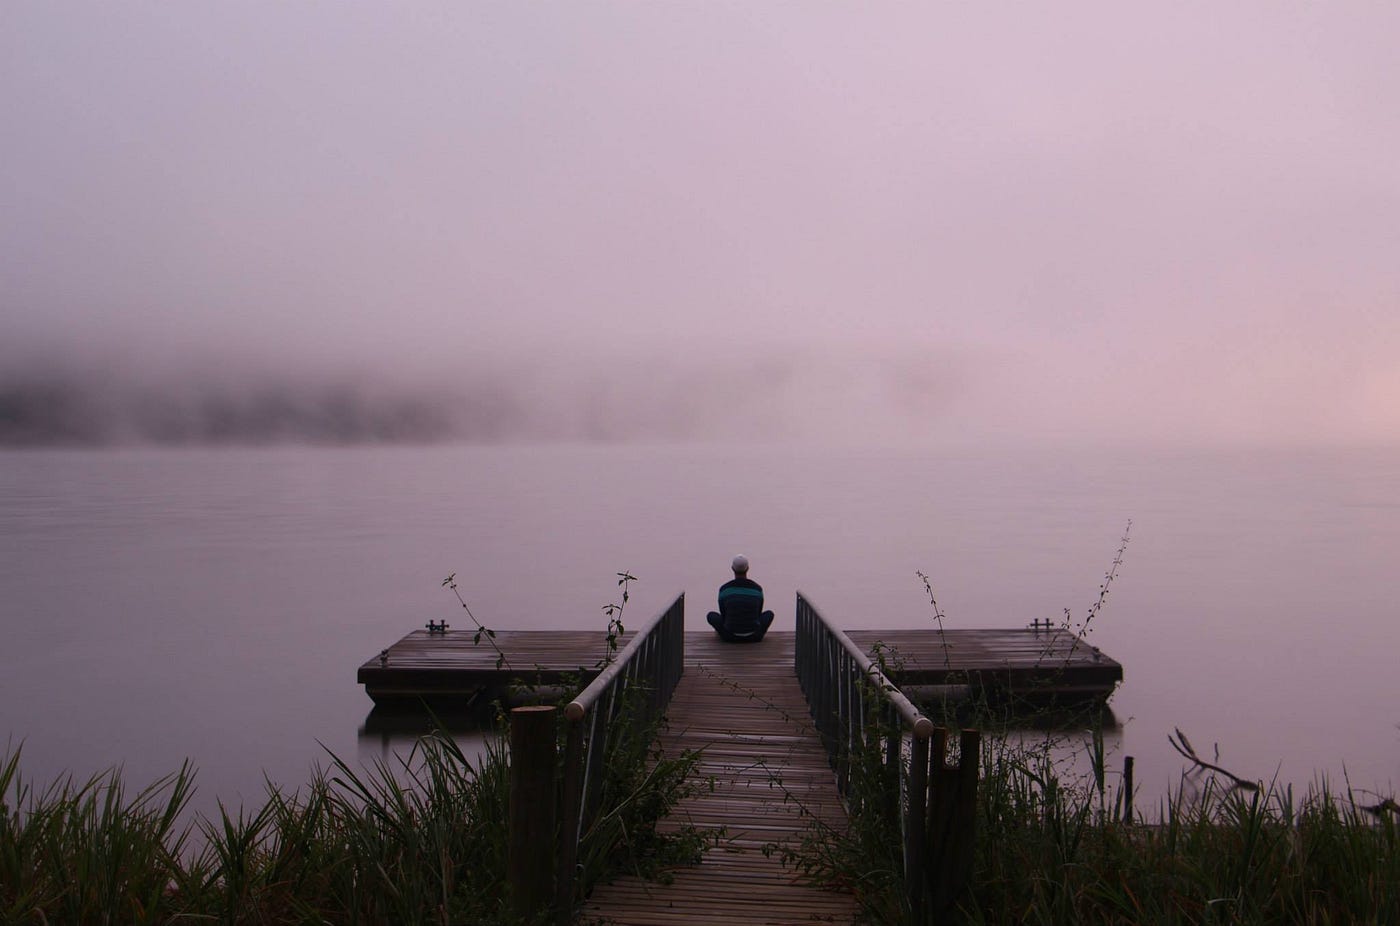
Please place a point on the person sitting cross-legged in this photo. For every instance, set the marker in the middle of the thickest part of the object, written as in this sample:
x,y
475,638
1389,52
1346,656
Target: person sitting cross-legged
x,y
741,618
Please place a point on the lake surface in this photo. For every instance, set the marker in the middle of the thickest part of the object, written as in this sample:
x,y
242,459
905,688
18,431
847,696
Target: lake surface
x,y
213,604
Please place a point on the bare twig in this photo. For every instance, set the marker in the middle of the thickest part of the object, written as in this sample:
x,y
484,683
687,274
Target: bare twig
x,y
1099,602
1183,745
482,631
1384,807
937,616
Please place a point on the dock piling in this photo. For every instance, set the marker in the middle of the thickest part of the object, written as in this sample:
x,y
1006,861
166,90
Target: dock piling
x,y
1127,789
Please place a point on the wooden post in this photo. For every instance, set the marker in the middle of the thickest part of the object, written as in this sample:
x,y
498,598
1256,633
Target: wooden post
x,y
952,819
915,832
964,814
1128,789
941,794
531,859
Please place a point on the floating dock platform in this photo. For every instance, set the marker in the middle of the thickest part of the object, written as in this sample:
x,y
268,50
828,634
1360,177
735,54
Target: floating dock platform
x,y
1019,664
1025,665
457,667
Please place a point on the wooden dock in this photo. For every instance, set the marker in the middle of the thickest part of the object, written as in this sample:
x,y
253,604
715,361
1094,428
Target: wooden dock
x,y
999,664
741,705
1014,663
456,665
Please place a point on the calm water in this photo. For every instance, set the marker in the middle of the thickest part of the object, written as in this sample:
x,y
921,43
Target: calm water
x,y
214,604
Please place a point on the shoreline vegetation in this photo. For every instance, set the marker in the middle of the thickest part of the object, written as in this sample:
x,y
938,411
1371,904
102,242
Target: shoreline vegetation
x,y
1056,845
423,840
1050,844
426,842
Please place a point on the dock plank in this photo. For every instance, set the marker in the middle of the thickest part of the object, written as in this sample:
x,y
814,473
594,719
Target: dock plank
x,y
742,706
457,664
1010,660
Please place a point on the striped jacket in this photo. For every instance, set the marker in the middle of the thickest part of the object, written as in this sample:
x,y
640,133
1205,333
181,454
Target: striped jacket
x,y
741,605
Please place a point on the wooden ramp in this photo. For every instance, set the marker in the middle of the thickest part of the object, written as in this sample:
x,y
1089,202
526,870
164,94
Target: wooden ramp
x,y
741,705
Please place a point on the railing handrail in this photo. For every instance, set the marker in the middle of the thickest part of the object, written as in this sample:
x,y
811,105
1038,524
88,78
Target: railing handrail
x,y
856,706
653,661
579,706
919,725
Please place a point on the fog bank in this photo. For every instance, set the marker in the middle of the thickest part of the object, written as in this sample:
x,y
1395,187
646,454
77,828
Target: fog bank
x,y
260,221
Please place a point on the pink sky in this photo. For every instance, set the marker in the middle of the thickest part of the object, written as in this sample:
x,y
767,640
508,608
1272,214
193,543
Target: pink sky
x,y
1178,222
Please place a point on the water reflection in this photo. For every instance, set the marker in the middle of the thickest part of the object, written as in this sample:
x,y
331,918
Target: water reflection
x,y
1078,743
389,734
1073,720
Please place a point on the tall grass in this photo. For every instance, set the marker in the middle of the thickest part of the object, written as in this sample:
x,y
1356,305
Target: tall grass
x,y
422,840
1216,853
1054,847
86,851
1057,846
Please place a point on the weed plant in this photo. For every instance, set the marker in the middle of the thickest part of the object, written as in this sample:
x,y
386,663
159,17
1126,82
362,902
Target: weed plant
x,y
415,844
640,787
420,841
1055,846
1052,853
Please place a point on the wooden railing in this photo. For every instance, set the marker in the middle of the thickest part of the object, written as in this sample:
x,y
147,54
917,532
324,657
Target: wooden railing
x,y
634,688
857,708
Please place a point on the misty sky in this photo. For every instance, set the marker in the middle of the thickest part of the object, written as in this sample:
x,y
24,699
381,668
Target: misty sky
x,y
800,219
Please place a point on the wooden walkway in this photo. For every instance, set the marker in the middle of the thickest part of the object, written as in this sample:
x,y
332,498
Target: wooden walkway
x,y
740,704
742,707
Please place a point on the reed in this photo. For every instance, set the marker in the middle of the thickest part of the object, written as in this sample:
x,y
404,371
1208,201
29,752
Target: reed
x,y
1217,853
421,840
1057,847
87,851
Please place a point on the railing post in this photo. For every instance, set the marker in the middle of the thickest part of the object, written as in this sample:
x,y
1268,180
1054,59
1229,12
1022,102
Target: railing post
x,y
894,760
570,814
852,731
593,765
934,804
956,855
969,765
915,836
530,854
654,659
829,691
843,725
952,819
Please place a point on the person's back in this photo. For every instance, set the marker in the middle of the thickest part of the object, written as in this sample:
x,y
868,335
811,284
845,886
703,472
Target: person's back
x,y
741,618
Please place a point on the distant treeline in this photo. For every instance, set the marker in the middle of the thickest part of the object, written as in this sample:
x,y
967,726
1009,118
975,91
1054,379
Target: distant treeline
x,y
65,401
39,411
